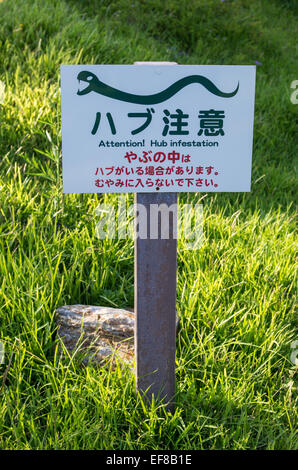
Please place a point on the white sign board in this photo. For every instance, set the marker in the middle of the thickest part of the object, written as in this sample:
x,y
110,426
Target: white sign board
x,y
157,128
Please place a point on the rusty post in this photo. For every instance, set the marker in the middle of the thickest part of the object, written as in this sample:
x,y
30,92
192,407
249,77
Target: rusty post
x,y
155,304
155,298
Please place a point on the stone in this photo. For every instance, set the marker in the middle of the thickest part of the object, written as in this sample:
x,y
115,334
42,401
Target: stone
x,y
97,334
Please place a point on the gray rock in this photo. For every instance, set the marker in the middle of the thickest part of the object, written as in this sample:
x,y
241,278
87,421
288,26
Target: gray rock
x,y
96,334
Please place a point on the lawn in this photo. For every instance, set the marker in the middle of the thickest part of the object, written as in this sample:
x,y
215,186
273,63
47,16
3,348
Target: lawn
x,y
236,384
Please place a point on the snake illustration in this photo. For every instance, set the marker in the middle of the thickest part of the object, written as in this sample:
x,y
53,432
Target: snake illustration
x,y
94,84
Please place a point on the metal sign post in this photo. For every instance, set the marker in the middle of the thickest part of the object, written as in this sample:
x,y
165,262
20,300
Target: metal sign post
x,y
155,305
155,299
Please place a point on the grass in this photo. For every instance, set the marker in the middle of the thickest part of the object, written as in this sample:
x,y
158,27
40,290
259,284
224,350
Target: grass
x,y
236,384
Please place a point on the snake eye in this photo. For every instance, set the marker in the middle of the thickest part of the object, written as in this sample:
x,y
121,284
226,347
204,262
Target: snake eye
x,y
89,78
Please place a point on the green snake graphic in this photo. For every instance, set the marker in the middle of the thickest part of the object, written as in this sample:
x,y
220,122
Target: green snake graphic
x,y
94,84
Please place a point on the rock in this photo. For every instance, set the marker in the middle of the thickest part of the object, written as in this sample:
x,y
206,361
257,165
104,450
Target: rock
x,y
97,334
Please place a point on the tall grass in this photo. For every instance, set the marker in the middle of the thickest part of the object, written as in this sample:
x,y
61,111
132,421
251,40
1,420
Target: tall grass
x,y
236,384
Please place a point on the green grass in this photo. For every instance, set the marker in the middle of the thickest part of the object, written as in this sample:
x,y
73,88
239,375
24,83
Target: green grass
x,y
236,384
